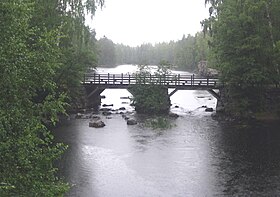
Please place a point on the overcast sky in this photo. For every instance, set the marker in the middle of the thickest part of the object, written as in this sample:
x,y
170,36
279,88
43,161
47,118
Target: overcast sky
x,y
133,22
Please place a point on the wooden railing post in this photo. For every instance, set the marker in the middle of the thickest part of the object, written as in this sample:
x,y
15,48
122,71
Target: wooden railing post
x,y
114,79
108,78
128,78
122,79
193,79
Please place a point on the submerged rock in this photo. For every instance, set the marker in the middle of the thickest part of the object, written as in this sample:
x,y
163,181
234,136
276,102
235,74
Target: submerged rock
x,y
106,113
82,116
122,108
131,122
97,124
95,117
125,116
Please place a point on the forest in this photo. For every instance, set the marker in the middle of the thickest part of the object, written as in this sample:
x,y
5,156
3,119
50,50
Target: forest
x,y
46,48
183,54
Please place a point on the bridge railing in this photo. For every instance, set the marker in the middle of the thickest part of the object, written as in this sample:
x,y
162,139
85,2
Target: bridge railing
x,y
167,80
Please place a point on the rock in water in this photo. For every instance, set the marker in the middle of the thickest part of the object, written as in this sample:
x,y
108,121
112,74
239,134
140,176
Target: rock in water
x,y
97,124
210,109
95,117
107,113
105,105
173,115
79,116
131,122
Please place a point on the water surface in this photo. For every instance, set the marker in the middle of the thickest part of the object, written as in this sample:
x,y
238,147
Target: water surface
x,y
197,156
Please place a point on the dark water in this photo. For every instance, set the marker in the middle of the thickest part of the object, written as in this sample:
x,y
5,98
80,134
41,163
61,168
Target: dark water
x,y
197,156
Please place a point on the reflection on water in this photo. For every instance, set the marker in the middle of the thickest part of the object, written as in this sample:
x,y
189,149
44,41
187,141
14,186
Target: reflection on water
x,y
197,157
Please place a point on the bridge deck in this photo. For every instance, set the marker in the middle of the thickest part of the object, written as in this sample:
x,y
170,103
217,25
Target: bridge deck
x,y
184,82
170,81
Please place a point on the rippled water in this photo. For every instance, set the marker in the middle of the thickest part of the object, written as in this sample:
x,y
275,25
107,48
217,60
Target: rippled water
x,y
197,156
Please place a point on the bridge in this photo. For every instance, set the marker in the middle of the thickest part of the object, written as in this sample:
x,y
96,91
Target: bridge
x,y
96,83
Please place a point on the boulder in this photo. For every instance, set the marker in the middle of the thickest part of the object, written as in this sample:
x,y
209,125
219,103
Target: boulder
x,y
131,122
105,105
105,109
173,115
124,97
79,116
106,113
209,109
122,108
97,124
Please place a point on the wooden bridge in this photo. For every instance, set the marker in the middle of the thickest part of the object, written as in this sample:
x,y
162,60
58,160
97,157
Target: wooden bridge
x,y
99,82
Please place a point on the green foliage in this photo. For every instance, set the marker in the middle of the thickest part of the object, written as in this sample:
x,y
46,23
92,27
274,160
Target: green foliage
x,y
244,44
44,48
151,98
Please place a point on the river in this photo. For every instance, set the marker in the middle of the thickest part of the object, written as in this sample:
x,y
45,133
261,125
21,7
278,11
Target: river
x,y
197,156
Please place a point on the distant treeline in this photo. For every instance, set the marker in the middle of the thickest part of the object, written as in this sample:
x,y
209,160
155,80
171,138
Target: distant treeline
x,y
183,54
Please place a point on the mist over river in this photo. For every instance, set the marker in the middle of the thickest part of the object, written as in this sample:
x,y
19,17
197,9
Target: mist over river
x,y
197,156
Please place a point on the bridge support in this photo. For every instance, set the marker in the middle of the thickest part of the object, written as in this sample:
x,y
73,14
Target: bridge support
x,y
173,92
93,98
220,103
215,94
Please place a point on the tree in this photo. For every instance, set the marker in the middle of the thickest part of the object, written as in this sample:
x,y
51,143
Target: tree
x,y
245,54
38,40
107,53
151,98
76,41
27,66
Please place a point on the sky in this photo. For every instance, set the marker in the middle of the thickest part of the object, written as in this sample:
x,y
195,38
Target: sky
x,y
134,22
